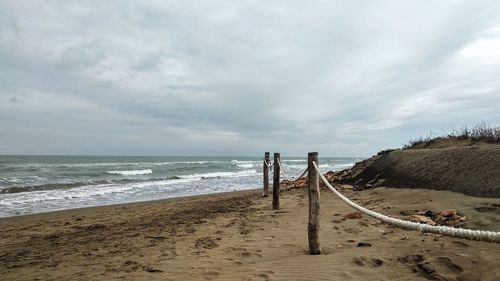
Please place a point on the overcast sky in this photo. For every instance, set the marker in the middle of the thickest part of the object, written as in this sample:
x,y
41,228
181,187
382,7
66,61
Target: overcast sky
x,y
345,78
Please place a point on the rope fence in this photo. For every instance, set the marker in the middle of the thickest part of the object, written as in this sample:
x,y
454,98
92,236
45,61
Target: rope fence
x,y
268,164
480,235
314,175
283,170
303,174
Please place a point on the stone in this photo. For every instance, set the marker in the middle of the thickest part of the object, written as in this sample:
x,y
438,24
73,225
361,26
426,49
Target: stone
x,y
376,262
364,244
430,214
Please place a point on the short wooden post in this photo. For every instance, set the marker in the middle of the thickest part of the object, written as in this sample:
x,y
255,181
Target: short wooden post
x,y
276,182
265,166
313,184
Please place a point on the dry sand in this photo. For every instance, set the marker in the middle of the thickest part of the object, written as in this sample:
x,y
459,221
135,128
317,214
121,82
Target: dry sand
x,y
236,236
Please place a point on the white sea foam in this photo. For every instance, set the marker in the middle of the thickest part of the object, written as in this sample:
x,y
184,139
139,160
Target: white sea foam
x,y
240,161
198,162
345,165
243,173
245,166
295,166
131,172
195,162
20,180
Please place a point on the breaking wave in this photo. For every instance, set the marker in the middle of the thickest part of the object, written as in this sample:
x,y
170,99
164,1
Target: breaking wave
x,y
131,172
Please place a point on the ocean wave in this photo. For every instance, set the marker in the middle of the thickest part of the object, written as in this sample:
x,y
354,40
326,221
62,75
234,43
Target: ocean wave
x,y
72,185
131,172
294,166
89,195
243,164
199,162
20,180
243,173
65,166
41,187
11,180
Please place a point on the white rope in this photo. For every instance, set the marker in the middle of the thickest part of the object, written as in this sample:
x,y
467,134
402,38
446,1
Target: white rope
x,y
489,236
303,174
266,161
282,169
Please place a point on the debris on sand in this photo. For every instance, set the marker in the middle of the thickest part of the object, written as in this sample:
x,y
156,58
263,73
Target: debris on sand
x,y
449,217
354,215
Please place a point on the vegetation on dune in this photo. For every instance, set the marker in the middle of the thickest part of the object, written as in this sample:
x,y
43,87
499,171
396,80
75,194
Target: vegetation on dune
x,y
479,133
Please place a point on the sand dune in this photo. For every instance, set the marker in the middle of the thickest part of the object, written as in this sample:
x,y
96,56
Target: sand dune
x,y
471,169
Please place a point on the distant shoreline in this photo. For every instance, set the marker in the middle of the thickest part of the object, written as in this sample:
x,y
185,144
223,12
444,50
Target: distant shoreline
x,y
129,204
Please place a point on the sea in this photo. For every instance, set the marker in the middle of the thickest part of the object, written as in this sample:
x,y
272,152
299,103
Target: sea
x,y
36,184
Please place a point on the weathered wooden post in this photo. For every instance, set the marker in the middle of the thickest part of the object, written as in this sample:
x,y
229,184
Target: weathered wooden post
x,y
265,166
276,182
313,184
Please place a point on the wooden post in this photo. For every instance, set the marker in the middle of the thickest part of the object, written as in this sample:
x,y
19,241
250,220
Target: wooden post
x,y
276,182
265,193
313,184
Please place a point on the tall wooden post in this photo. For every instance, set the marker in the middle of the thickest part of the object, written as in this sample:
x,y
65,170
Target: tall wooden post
x,y
276,182
265,166
313,184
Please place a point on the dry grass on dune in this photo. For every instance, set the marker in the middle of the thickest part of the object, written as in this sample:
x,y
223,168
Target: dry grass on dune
x,y
477,135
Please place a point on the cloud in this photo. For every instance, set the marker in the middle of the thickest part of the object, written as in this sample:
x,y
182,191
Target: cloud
x,y
180,77
14,99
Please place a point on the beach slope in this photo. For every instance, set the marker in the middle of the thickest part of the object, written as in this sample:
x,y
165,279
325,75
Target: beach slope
x,y
237,236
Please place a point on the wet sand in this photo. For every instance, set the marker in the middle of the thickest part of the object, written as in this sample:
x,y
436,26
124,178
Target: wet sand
x,y
237,236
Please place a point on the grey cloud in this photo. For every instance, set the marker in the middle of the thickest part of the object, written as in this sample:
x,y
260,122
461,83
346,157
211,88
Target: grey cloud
x,y
347,78
14,99
150,61
82,55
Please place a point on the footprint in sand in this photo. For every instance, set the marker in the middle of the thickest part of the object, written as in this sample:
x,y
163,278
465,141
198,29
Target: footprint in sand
x,y
206,243
131,266
210,275
461,244
245,231
263,275
294,249
485,207
436,268
440,268
242,252
372,262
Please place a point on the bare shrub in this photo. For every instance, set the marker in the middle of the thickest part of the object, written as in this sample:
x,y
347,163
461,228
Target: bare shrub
x,y
481,133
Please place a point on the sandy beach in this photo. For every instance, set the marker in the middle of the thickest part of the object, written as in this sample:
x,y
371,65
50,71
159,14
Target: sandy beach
x,y
137,139
237,236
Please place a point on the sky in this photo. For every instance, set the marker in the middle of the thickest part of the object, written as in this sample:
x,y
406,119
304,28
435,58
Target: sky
x,y
344,78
